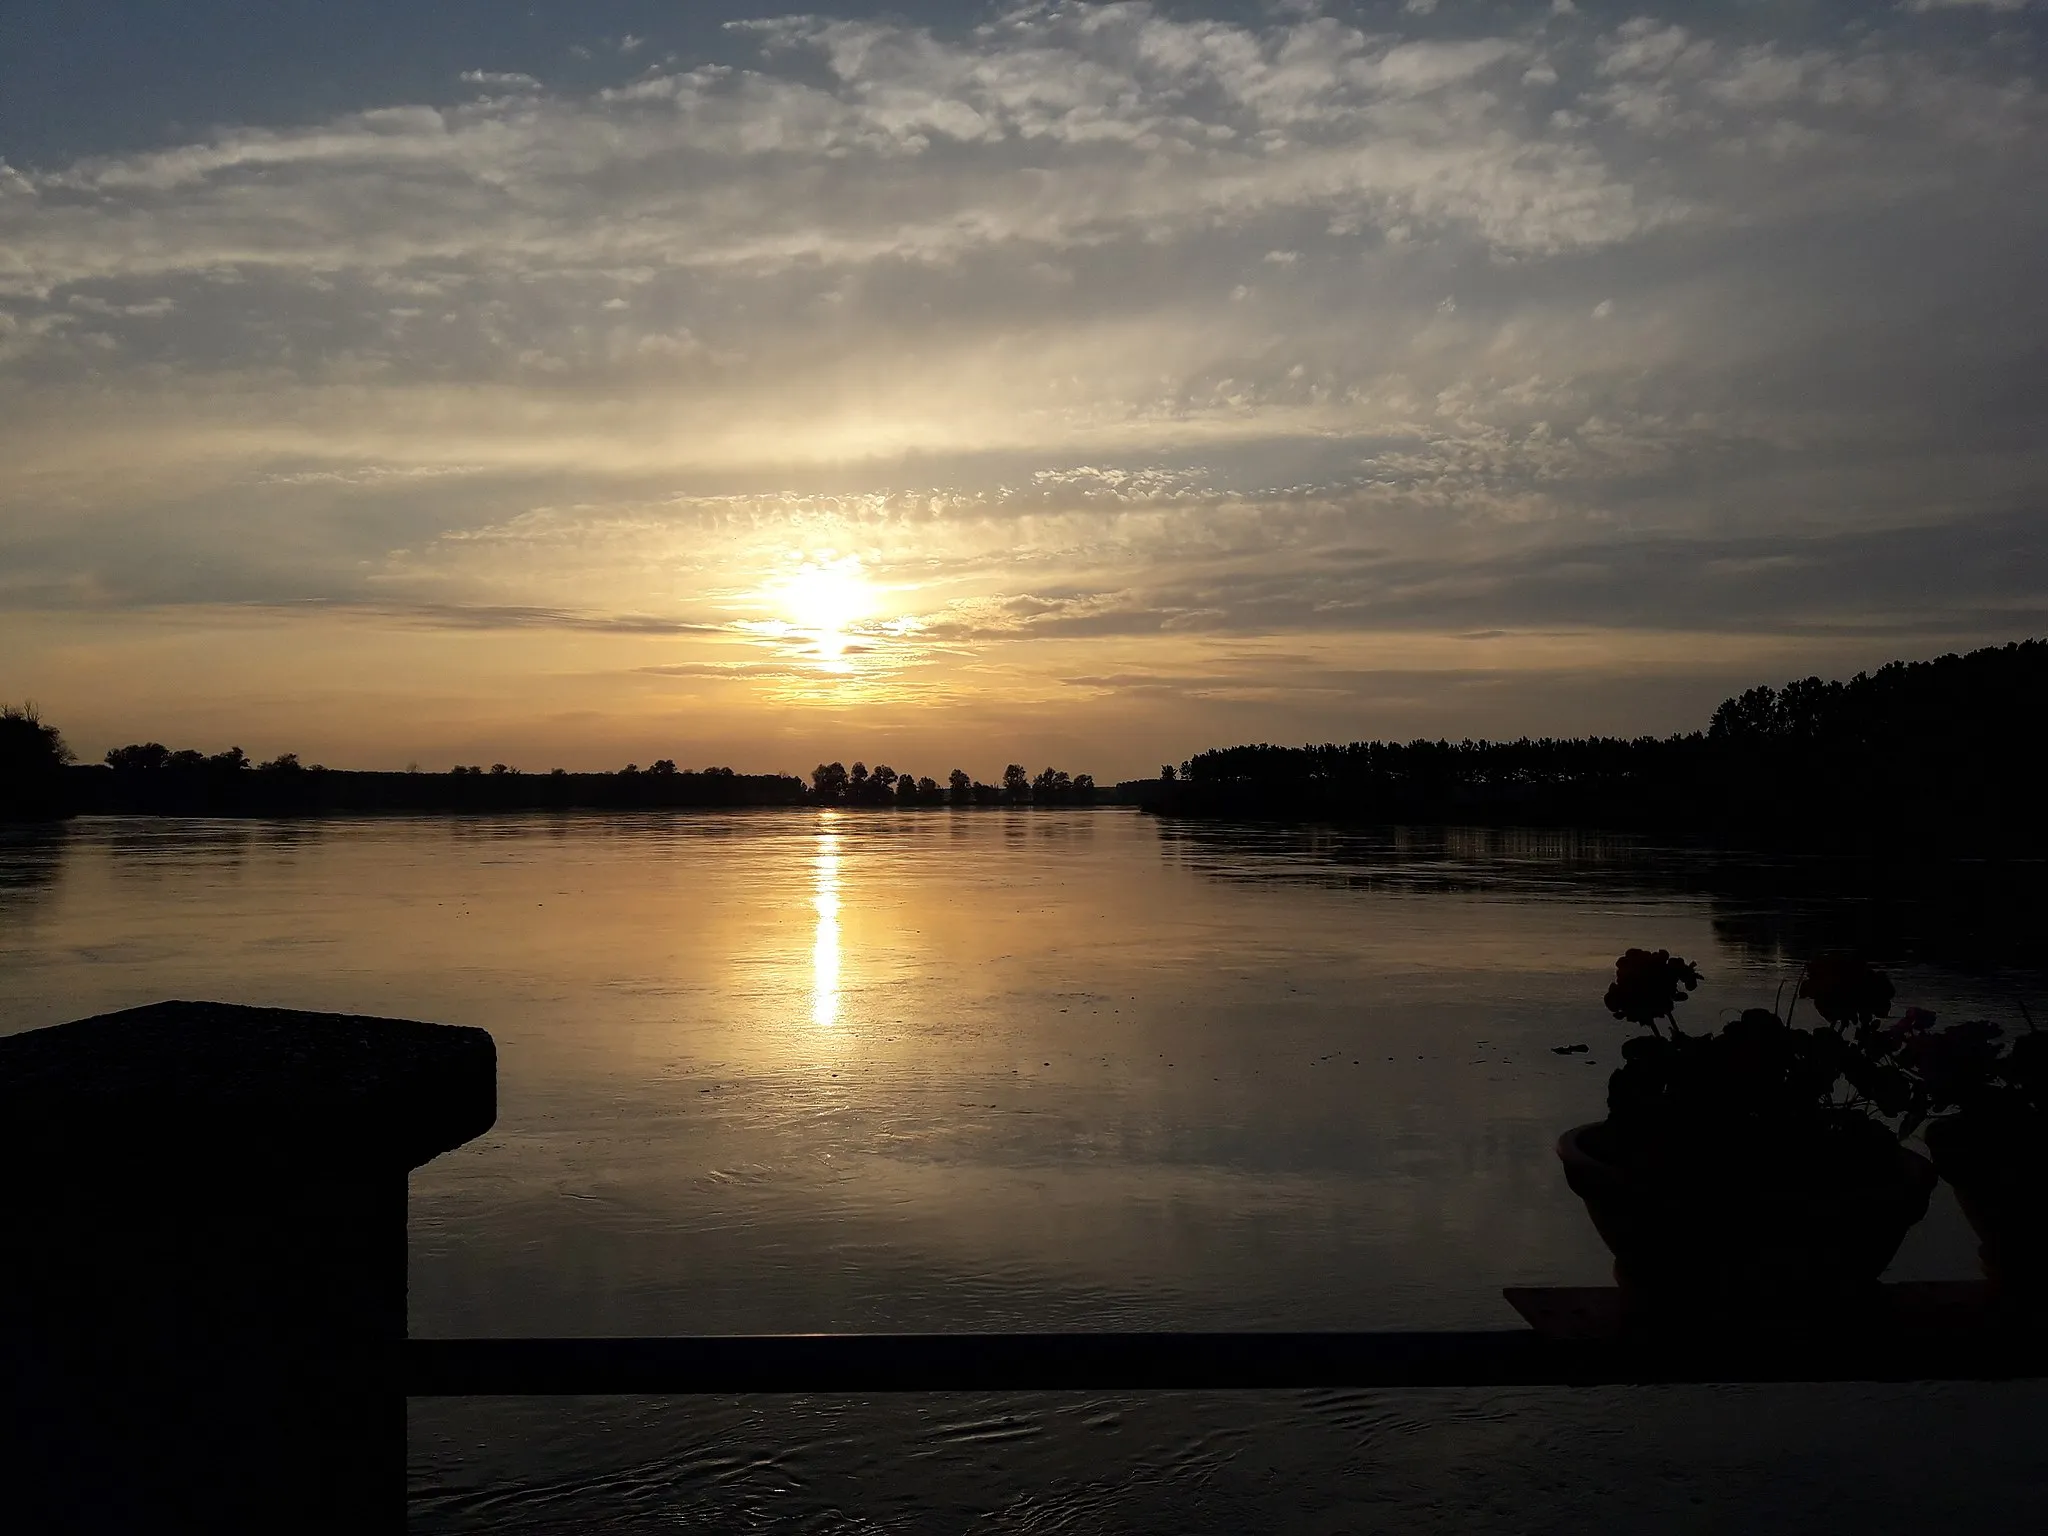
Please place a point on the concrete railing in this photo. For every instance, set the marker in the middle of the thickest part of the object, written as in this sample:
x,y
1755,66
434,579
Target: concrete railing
x,y
202,1263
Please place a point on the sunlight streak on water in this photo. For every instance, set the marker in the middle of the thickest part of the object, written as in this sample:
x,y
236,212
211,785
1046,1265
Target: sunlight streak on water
x,y
825,946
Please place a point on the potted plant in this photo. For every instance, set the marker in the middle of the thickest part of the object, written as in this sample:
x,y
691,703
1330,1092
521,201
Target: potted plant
x,y
1755,1171
1992,1142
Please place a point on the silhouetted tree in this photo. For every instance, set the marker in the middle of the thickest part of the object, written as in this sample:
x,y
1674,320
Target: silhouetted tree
x,y
828,783
33,757
284,762
232,760
1016,784
928,791
139,757
1167,773
1084,788
906,790
959,787
1747,716
663,765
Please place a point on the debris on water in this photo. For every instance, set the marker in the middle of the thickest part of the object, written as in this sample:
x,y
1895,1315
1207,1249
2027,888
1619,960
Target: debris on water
x,y
1569,1050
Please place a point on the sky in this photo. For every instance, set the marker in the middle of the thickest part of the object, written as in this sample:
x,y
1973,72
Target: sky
x,y
1076,384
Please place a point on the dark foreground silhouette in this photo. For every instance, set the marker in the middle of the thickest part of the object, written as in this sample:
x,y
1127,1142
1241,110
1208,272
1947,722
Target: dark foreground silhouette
x,y
1945,756
203,1300
202,1269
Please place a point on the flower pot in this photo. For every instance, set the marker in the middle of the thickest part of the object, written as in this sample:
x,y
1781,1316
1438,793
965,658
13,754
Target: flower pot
x,y
2000,1177
1744,1238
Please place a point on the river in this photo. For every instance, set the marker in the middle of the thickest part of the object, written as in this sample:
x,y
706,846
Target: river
x,y
1035,1069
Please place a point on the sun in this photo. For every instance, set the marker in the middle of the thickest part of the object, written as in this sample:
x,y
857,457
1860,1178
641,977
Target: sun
x,y
826,597
823,599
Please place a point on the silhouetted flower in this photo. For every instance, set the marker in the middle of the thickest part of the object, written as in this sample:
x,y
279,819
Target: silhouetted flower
x,y
1914,1021
1760,1089
1649,984
1844,989
1959,1064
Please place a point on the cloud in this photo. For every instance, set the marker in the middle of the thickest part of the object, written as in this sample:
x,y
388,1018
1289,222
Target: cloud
x,y
1077,126
1072,326
504,616
500,79
735,671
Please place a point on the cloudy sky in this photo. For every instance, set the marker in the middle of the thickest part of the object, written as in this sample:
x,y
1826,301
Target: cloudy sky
x,y
1079,383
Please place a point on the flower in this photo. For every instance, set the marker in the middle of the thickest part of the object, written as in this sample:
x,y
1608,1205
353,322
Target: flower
x,y
1845,990
1909,1025
1648,985
1760,1090
1959,1064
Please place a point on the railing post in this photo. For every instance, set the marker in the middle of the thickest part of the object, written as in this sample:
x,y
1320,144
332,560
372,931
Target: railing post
x,y
203,1264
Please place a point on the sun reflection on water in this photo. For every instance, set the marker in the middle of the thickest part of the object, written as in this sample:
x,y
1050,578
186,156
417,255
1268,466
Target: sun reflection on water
x,y
825,946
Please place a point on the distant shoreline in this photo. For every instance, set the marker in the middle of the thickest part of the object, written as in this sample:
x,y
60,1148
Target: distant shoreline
x,y
1938,759
1935,759
310,792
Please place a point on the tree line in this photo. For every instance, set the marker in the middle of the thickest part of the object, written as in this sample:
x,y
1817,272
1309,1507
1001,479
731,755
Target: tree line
x,y
38,778
1945,755
1942,755
836,784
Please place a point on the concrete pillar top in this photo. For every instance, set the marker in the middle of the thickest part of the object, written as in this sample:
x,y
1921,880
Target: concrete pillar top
x,y
181,1076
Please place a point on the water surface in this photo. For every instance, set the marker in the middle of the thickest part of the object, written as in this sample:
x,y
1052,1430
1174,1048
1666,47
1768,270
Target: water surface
x,y
792,1071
